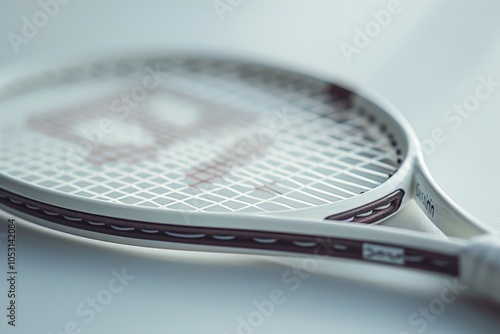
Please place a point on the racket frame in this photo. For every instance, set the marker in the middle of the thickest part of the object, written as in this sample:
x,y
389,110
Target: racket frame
x,y
447,215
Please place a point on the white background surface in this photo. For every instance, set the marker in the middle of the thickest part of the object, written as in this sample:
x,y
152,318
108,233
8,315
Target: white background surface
x,y
427,59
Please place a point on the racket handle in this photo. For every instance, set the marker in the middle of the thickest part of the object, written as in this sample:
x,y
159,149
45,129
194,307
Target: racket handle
x,y
480,266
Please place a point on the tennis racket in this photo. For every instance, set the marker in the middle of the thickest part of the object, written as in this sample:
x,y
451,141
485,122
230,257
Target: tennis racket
x,y
217,155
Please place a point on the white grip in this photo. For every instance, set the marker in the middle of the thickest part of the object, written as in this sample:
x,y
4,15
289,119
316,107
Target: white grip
x,y
480,266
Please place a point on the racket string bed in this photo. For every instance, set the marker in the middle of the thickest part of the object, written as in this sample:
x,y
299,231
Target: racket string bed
x,y
336,150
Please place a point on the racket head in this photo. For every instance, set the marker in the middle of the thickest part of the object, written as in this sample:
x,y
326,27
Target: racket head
x,y
40,133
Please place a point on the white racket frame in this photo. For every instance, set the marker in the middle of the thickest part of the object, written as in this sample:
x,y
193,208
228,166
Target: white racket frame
x,y
448,216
